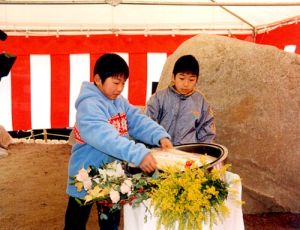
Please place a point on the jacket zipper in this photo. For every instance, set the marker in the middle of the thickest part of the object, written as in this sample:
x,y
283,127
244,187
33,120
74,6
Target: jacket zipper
x,y
176,118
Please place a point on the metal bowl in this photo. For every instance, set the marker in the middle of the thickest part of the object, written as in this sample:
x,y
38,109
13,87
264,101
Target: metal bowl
x,y
218,151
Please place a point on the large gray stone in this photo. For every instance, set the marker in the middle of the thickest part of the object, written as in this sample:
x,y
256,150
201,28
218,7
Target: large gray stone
x,y
5,138
255,93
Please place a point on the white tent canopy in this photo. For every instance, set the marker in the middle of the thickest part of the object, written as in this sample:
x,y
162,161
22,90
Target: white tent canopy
x,y
45,17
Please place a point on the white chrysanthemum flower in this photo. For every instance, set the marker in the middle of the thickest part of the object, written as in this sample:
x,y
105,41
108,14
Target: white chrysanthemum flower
x,y
114,196
119,170
82,175
110,172
87,184
126,187
103,174
115,170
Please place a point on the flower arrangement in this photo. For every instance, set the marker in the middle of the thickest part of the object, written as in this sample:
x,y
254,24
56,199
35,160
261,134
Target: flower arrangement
x,y
189,197
111,187
186,197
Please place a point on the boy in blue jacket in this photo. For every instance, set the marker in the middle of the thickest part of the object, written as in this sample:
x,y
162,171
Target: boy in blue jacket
x,y
104,121
180,109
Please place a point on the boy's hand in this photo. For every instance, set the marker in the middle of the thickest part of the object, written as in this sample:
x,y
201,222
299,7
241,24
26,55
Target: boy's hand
x,y
165,143
148,164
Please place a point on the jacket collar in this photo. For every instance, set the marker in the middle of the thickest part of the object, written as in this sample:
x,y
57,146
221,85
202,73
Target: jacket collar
x,y
182,96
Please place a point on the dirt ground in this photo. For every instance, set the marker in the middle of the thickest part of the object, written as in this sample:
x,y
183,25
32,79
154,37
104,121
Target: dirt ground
x,y
33,181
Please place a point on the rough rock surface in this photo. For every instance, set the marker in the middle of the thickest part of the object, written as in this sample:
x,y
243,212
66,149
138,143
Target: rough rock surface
x,y
5,138
255,93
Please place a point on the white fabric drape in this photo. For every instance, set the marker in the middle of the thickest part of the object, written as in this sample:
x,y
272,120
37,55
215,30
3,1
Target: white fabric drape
x,y
134,218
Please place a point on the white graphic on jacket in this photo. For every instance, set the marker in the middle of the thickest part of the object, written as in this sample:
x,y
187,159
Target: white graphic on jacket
x,y
119,121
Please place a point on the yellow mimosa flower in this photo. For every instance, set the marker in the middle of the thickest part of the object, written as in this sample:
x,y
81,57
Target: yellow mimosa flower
x,y
79,186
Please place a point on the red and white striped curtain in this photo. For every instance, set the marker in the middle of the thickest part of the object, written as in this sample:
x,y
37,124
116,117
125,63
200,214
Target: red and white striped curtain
x,y
40,91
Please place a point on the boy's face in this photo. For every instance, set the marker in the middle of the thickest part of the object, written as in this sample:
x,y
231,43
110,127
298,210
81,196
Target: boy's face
x,y
185,83
112,87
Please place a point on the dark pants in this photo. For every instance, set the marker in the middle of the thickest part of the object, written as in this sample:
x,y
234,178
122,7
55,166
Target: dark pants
x,y
77,216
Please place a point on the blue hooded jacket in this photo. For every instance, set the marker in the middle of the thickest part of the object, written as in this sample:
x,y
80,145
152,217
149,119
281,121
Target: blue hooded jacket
x,y
187,118
102,132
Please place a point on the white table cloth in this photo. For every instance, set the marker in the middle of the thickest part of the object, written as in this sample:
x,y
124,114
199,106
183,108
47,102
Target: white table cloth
x,y
134,217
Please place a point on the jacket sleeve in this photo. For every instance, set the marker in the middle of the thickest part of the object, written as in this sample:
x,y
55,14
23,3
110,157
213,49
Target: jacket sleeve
x,y
206,130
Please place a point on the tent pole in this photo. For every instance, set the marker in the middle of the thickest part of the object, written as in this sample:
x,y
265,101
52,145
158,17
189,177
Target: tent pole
x,y
156,3
235,15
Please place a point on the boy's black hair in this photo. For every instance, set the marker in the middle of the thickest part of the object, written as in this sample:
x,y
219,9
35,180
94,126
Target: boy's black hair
x,y
186,64
109,65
